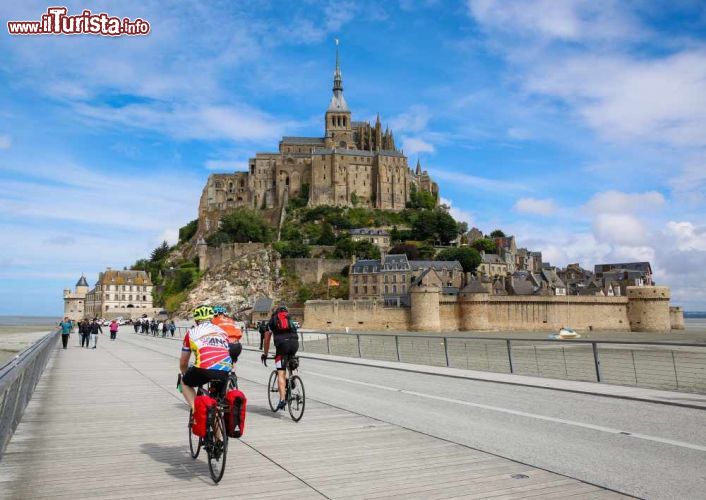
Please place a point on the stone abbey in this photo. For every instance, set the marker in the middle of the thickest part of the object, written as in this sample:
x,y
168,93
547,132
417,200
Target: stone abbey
x,y
354,164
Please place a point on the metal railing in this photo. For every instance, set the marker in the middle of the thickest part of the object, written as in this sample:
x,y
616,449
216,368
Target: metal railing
x,y
673,366
18,378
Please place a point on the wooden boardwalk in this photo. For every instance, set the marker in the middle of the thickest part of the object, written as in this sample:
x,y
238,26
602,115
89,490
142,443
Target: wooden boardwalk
x,y
108,423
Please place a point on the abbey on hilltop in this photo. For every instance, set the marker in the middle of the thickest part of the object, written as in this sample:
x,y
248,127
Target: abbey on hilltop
x,y
354,164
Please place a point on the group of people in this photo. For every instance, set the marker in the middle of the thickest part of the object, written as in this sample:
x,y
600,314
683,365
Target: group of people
x,y
88,330
154,328
215,344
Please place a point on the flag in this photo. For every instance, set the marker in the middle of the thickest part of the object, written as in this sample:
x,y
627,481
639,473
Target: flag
x,y
333,282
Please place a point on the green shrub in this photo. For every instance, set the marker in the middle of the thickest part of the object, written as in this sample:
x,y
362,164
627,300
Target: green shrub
x,y
188,231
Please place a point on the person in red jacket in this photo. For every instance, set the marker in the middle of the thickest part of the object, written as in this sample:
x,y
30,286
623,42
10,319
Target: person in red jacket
x,y
114,326
231,328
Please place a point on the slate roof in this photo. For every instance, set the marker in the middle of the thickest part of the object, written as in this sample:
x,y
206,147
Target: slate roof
x,y
115,277
632,266
82,281
367,266
437,265
491,258
301,140
262,304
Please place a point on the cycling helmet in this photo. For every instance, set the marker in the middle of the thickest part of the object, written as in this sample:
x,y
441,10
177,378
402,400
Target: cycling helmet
x,y
219,310
202,313
282,308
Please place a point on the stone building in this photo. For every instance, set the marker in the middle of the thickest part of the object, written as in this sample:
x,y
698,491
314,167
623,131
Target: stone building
x,y
390,280
127,293
641,271
74,302
492,265
378,237
355,163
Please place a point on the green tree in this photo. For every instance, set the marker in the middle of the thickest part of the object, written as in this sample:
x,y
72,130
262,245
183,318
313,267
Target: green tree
x,y
366,250
218,238
409,249
468,257
426,251
160,253
446,227
497,234
327,236
292,249
484,245
354,199
424,226
189,230
243,225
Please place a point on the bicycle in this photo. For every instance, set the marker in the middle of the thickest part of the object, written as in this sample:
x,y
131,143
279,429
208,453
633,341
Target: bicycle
x,y
216,440
294,390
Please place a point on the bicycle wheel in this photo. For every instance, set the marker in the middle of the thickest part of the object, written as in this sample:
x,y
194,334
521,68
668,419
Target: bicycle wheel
x,y
218,450
296,399
194,440
273,391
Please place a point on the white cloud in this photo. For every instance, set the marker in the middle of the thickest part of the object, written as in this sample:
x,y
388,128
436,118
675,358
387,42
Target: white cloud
x,y
237,123
227,165
474,182
415,120
619,229
687,236
567,20
460,214
658,100
617,202
170,235
5,142
536,206
415,145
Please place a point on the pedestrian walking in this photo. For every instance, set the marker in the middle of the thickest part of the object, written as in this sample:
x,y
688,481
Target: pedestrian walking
x,y
114,326
262,328
165,327
172,327
95,327
136,325
66,326
85,329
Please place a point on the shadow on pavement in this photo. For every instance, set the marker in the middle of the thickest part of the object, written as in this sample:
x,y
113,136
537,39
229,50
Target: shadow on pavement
x,y
179,462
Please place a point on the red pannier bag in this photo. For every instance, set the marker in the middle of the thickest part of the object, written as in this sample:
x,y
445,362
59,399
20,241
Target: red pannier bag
x,y
235,416
202,405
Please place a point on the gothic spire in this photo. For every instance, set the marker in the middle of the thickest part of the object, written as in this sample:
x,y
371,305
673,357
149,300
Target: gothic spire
x,y
418,171
338,103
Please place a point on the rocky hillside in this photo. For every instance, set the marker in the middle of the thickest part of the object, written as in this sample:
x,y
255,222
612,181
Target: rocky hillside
x,y
238,282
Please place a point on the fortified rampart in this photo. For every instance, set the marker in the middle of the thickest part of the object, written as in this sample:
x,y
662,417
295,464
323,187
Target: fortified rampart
x,y
311,270
215,256
644,309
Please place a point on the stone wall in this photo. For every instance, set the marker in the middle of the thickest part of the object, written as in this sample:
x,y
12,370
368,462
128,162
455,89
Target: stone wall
x,y
676,318
645,309
361,315
211,257
311,270
550,313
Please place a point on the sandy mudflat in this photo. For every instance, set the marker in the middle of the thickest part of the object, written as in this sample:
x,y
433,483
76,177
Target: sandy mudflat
x,y
16,338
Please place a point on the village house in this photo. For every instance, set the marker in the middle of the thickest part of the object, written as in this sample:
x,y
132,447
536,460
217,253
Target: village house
x,y
378,237
390,279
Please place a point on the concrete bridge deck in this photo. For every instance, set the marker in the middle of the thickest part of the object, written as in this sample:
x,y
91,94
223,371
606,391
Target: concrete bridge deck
x,y
108,423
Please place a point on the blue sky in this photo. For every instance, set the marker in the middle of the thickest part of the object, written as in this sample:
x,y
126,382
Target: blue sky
x,y
578,126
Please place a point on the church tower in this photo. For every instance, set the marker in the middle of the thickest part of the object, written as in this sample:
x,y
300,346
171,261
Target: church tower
x,y
339,133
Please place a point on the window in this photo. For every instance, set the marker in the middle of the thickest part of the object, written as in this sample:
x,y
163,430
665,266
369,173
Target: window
x,y
386,289
394,288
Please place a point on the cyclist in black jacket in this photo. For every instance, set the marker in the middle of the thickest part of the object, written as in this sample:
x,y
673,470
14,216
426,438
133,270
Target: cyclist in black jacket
x,y
286,346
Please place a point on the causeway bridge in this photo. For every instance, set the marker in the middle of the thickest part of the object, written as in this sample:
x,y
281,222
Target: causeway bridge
x,y
109,423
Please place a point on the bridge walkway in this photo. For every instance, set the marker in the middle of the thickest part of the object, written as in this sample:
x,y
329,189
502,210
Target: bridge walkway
x,y
108,423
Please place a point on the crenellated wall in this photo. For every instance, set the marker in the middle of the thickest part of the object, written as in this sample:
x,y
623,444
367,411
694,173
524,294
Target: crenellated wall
x,y
644,309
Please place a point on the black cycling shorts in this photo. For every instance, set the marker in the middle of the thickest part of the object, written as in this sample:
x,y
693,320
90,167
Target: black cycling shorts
x,y
195,377
285,349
